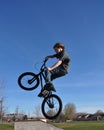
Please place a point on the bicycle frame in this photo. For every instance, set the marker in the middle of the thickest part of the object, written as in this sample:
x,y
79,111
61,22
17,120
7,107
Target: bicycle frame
x,y
41,74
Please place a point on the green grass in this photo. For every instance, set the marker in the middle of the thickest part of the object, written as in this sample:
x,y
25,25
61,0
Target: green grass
x,y
83,125
6,127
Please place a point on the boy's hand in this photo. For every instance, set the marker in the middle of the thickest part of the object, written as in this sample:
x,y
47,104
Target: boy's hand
x,y
49,69
46,58
50,56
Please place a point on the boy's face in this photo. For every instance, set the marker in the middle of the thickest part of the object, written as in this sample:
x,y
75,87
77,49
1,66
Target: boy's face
x,y
58,49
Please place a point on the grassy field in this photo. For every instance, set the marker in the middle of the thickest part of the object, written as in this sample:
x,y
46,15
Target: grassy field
x,y
83,125
6,127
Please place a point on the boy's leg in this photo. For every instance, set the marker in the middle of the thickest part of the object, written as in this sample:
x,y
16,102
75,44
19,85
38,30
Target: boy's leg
x,y
48,76
56,73
48,86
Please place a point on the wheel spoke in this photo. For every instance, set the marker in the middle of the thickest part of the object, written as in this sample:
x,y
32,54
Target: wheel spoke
x,y
51,106
28,81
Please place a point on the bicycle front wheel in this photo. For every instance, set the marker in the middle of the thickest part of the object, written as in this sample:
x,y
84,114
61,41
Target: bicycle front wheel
x,y
28,81
51,106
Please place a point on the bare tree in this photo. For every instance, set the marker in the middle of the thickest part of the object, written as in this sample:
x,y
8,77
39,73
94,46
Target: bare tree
x,y
1,99
38,111
2,89
69,110
17,110
1,109
98,112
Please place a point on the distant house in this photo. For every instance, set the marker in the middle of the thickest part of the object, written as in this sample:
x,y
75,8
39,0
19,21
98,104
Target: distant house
x,y
88,117
13,117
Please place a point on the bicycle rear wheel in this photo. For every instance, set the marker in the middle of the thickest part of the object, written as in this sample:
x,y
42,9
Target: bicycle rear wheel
x,y
28,81
51,106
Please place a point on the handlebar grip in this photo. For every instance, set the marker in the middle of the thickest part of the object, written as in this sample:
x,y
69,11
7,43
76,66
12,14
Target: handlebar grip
x,y
45,60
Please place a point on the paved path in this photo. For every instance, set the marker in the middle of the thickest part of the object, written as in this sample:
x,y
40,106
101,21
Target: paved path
x,y
34,125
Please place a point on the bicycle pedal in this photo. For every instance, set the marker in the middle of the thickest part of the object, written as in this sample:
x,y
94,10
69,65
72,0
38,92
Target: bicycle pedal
x,y
45,93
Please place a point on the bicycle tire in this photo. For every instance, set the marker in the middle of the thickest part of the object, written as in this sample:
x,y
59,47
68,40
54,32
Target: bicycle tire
x,y
54,114
28,76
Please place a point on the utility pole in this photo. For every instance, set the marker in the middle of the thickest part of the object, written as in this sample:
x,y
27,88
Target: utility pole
x,y
1,110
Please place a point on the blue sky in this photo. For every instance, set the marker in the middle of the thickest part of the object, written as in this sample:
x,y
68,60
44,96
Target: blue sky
x,y
28,31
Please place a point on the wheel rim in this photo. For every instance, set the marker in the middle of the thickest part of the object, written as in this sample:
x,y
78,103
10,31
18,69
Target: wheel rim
x,y
51,107
28,81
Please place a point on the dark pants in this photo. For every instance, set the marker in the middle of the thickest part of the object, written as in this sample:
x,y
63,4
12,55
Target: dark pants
x,y
55,73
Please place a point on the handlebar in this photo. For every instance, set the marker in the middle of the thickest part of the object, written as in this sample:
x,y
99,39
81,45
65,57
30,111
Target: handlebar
x,y
44,62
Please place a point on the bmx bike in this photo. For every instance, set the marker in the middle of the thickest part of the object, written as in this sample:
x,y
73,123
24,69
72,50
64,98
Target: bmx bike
x,y
51,105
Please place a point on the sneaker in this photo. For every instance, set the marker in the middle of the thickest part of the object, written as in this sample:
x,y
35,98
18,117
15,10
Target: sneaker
x,y
40,94
45,90
45,93
49,86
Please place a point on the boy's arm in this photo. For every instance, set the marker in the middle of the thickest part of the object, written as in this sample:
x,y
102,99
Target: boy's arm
x,y
50,56
55,65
